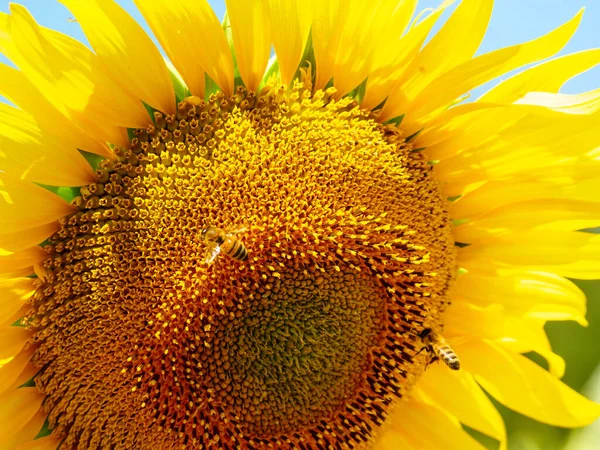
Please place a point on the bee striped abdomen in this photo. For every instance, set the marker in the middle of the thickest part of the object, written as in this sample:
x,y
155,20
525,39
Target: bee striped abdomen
x,y
446,354
234,248
238,251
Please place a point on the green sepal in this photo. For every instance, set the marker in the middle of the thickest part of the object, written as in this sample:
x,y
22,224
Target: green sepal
x,y
130,133
44,243
93,159
67,193
461,271
380,106
307,60
150,110
210,87
28,383
394,120
45,431
181,90
358,93
414,135
458,222
272,71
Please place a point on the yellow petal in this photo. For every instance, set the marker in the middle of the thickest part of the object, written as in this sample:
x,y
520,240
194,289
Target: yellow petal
x,y
12,341
11,371
19,90
578,182
367,27
442,91
522,292
466,126
16,274
25,376
458,393
7,321
46,443
13,295
389,69
193,39
546,77
535,141
20,260
290,24
70,76
521,385
251,38
126,51
427,427
25,205
537,249
568,225
525,216
519,334
558,104
327,37
17,408
28,237
452,121
393,440
455,43
585,269
394,27
29,431
30,154
341,55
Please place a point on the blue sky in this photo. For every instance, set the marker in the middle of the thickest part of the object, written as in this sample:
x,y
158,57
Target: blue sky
x,y
513,21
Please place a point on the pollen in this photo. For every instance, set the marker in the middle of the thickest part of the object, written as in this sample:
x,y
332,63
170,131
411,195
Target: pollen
x,y
306,343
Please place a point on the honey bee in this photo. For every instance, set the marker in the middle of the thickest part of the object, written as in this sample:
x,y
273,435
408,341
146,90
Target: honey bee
x,y
218,240
440,348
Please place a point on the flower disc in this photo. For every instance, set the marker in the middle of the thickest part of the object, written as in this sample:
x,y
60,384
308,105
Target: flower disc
x,y
144,343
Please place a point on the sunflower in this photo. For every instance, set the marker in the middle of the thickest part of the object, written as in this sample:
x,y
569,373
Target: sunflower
x,y
230,250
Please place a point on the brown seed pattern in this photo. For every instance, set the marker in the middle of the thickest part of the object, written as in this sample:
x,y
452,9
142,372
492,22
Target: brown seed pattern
x,y
303,345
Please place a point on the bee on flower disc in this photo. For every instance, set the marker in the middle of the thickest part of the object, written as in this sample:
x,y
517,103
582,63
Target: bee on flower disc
x,y
439,347
218,240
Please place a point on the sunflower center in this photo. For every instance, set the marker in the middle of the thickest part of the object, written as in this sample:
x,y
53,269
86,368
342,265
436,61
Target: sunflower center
x,y
154,330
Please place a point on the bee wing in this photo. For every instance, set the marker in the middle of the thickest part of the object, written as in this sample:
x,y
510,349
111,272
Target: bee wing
x,y
212,250
239,228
